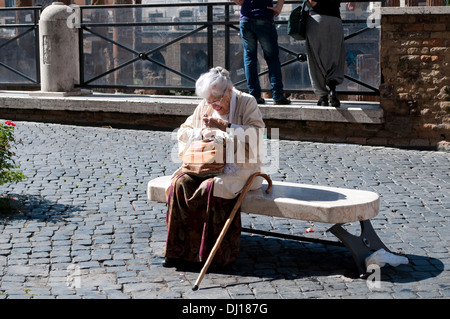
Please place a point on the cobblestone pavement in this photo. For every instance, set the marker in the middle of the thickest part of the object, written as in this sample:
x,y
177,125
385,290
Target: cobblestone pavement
x,y
86,230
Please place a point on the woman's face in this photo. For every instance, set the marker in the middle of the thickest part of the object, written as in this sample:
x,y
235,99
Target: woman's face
x,y
221,104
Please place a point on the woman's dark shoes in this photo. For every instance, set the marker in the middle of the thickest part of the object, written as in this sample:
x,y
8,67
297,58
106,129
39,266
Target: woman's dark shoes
x,y
170,262
323,101
334,101
181,264
184,265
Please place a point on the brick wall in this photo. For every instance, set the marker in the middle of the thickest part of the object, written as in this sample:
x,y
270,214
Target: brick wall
x,y
415,65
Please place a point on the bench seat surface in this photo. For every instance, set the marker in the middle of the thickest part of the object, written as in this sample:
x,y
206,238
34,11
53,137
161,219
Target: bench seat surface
x,y
297,201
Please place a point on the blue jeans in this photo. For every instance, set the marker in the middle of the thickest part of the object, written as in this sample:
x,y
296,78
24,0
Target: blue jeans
x,y
252,31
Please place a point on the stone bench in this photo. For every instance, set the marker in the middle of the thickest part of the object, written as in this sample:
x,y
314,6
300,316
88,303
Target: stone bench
x,y
310,203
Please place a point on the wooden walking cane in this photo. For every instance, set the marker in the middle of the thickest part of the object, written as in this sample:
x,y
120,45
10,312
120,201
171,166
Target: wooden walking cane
x,y
228,223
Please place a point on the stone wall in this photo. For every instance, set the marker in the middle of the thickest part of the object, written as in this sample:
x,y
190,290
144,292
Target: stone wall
x,y
415,66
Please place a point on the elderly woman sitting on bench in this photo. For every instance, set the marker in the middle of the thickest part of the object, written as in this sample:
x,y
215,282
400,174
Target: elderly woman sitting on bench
x,y
198,207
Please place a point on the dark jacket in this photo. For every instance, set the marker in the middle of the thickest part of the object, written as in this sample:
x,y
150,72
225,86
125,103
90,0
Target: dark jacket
x,y
257,9
328,7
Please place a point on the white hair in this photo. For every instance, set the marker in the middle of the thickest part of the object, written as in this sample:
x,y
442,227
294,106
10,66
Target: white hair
x,y
214,82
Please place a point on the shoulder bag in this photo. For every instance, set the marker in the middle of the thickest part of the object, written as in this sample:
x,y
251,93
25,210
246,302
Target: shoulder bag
x,y
297,21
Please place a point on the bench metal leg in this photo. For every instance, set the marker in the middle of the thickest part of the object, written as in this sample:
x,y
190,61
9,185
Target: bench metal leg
x,y
359,246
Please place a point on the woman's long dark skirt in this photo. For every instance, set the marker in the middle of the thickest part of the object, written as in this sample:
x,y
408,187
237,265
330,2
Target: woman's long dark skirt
x,y
195,219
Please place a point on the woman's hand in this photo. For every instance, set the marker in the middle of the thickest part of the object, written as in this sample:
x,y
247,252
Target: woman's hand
x,y
276,11
312,3
212,122
239,2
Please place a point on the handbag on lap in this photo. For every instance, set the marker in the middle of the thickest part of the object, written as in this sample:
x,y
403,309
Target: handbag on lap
x,y
204,158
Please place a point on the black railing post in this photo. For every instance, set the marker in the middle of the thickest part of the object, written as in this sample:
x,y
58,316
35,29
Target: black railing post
x,y
210,36
37,12
227,37
80,50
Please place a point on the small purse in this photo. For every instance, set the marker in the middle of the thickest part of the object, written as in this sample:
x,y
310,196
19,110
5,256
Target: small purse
x,y
297,21
204,158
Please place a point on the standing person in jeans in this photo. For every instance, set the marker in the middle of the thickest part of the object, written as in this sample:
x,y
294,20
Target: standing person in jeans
x,y
326,50
257,25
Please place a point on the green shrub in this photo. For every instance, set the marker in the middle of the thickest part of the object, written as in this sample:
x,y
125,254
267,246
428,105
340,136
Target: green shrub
x,y
9,172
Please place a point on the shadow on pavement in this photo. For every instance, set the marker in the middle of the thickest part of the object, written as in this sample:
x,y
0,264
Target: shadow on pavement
x,y
288,259
419,268
34,207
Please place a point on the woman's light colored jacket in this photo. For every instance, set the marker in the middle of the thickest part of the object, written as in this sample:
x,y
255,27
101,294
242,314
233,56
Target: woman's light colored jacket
x,y
245,138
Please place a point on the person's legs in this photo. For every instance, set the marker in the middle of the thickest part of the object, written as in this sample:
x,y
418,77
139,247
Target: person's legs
x,y
317,71
336,74
268,38
195,219
250,49
326,56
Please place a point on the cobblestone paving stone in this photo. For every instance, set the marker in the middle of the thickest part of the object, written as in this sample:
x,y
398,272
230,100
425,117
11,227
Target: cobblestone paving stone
x,y
86,230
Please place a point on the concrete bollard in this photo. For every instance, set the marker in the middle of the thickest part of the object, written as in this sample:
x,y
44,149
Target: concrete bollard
x,y
59,55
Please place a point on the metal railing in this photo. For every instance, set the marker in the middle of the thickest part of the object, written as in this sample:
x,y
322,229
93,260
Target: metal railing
x,y
19,47
167,46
